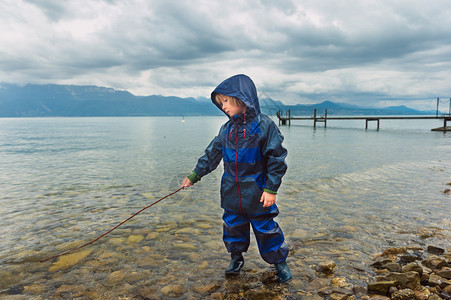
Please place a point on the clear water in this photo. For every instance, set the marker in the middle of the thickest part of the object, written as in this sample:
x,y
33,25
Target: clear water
x,y
349,193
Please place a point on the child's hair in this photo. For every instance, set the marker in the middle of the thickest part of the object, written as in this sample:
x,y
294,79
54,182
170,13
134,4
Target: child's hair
x,y
234,100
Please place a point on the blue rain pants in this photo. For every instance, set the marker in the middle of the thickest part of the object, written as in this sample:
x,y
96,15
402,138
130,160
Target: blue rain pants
x,y
269,236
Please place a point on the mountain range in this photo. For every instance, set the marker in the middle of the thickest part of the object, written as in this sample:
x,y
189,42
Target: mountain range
x,y
53,100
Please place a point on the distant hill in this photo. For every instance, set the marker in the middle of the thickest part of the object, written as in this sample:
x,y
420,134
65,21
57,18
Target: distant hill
x,y
271,107
71,101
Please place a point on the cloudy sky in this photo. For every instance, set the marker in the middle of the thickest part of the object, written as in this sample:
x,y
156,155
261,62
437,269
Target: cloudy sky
x,y
370,53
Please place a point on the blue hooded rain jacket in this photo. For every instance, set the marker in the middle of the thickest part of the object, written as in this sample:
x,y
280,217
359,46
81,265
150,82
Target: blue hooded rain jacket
x,y
250,146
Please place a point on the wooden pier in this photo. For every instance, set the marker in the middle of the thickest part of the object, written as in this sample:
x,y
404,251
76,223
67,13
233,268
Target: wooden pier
x,y
287,118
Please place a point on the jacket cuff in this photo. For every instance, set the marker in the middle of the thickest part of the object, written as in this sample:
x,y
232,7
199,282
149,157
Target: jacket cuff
x,y
270,191
193,177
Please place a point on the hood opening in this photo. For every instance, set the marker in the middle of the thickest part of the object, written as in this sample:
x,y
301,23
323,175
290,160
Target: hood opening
x,y
242,87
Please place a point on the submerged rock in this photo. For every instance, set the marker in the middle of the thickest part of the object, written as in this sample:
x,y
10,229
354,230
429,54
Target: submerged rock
x,y
69,260
116,241
115,277
208,288
339,282
70,288
152,235
185,246
173,290
36,289
204,226
327,267
134,239
299,234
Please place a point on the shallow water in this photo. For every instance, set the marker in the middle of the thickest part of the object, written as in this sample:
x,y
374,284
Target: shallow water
x,y
349,193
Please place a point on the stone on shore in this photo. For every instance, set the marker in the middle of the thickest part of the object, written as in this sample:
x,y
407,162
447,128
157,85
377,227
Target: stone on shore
x,y
380,287
412,267
410,280
405,294
434,263
445,272
436,250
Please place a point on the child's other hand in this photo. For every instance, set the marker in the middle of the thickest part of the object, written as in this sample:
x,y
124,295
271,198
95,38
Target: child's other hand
x,y
186,183
268,199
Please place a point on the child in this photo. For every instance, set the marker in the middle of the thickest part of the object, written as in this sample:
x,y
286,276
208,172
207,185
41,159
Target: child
x,y
250,145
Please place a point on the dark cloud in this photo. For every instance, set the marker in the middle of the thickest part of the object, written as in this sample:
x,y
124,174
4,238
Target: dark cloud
x,y
53,9
294,50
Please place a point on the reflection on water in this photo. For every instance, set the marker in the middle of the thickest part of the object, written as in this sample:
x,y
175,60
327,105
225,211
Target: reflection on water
x,y
348,194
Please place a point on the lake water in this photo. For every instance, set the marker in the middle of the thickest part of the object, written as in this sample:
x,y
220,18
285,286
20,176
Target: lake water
x,y
349,193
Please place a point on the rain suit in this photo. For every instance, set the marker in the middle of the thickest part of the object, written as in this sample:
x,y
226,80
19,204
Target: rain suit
x,y
250,146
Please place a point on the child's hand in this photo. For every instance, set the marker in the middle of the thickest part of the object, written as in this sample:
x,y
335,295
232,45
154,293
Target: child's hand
x,y
186,183
268,199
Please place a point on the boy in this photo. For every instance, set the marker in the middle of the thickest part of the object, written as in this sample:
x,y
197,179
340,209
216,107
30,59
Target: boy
x,y
250,145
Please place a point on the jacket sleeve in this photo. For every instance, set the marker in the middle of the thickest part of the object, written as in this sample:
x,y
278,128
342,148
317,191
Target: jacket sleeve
x,y
211,158
274,154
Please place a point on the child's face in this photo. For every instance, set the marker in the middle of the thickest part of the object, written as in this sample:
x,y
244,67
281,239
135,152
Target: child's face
x,y
231,109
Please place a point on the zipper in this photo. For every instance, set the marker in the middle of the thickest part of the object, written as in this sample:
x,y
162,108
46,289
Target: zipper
x,y
236,170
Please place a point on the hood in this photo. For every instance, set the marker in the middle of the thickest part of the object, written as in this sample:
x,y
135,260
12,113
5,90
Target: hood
x,y
241,87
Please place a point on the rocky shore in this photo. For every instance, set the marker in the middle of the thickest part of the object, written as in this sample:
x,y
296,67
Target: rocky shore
x,y
412,273
404,273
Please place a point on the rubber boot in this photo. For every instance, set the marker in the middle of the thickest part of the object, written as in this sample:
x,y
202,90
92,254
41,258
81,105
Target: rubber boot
x,y
283,271
236,264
